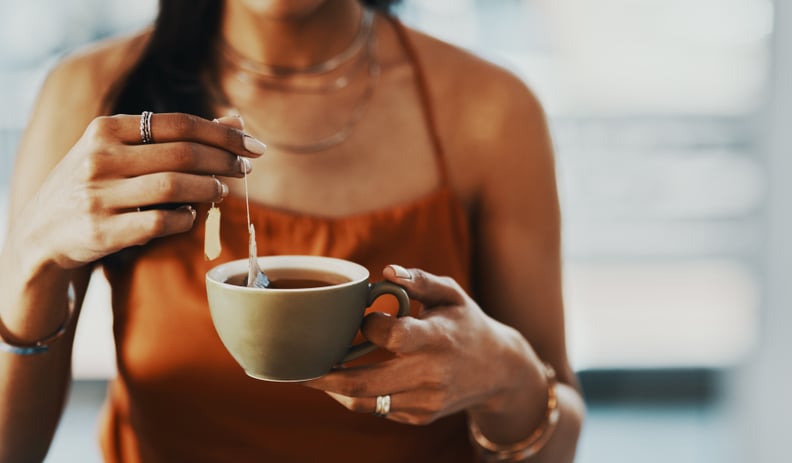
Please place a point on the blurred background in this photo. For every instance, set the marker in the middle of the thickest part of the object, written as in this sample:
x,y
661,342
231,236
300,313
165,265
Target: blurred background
x,y
669,119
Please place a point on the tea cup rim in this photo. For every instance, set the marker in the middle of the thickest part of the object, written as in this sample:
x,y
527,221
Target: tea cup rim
x,y
355,272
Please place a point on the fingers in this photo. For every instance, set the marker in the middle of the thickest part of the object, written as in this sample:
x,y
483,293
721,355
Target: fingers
x,y
160,188
404,335
357,404
137,228
401,335
183,143
189,157
417,407
371,380
171,127
398,375
146,225
431,290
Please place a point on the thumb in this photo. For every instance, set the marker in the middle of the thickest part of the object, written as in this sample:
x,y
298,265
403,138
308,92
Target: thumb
x,y
429,289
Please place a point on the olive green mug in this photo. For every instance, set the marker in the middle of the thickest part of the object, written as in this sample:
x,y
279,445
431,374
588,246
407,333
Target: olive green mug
x,y
304,323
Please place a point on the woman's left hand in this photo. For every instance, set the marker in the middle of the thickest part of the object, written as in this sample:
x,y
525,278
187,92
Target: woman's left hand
x,y
452,357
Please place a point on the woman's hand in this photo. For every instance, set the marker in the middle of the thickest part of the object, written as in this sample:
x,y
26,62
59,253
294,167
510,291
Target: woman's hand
x,y
451,358
89,206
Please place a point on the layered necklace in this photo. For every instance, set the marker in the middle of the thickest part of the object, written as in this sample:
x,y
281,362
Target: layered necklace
x,y
357,57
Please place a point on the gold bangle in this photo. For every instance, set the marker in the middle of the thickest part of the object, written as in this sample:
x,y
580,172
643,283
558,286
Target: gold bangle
x,y
42,345
530,446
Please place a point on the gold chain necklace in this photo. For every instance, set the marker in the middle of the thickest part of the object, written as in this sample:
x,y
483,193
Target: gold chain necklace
x,y
269,71
246,77
369,57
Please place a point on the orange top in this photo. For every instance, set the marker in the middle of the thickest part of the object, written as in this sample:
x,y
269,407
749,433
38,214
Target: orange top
x,y
179,395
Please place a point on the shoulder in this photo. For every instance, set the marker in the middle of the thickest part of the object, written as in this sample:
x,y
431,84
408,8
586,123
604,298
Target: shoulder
x,y
74,91
82,78
485,113
481,91
456,69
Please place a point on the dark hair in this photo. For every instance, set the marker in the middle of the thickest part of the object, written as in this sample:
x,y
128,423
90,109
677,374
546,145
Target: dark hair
x,y
170,74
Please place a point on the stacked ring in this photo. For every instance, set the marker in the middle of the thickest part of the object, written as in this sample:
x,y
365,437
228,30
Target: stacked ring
x,y
383,406
145,127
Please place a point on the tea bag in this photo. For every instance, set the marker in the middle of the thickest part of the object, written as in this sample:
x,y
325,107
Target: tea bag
x,y
212,246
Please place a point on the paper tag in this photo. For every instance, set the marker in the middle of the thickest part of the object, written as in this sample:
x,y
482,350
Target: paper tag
x,y
212,245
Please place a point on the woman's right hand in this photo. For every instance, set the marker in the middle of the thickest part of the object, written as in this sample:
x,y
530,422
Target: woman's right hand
x,y
89,206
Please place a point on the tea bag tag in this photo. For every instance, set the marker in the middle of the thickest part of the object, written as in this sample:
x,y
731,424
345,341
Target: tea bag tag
x,y
212,245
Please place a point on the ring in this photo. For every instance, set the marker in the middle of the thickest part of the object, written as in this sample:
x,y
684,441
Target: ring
x,y
145,128
383,406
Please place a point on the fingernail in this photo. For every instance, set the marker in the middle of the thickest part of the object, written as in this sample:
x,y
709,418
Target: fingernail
x,y
401,272
254,146
244,165
188,207
241,121
222,187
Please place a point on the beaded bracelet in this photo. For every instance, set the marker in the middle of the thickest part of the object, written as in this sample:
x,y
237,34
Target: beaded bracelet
x,y
530,446
42,345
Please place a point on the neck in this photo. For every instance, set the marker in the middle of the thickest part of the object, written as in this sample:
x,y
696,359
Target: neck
x,y
297,39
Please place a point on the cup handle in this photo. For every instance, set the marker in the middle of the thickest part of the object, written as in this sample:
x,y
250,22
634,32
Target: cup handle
x,y
376,290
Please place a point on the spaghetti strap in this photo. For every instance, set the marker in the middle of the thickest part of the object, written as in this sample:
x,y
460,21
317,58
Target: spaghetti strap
x,y
423,94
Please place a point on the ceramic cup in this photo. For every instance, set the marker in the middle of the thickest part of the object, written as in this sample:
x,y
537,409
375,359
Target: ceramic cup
x,y
294,334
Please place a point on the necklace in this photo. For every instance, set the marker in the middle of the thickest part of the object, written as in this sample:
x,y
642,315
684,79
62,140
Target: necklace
x,y
368,57
246,77
263,70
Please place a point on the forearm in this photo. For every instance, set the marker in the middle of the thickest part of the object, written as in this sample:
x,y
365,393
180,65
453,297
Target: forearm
x,y
32,387
523,407
32,392
563,443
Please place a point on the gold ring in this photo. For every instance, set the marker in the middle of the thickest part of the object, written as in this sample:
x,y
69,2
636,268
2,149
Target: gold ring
x,y
383,406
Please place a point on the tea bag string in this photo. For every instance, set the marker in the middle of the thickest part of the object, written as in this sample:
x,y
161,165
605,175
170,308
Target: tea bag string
x,y
256,278
247,201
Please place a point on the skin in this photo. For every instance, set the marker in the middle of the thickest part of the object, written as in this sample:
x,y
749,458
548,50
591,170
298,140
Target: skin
x,y
79,180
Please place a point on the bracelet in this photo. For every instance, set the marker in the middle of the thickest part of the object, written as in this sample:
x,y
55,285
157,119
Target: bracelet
x,y
530,446
42,345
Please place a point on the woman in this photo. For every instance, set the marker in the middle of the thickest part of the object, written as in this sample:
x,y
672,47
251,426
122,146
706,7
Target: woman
x,y
386,147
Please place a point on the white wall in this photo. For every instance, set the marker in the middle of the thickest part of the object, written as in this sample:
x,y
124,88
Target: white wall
x,y
764,389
